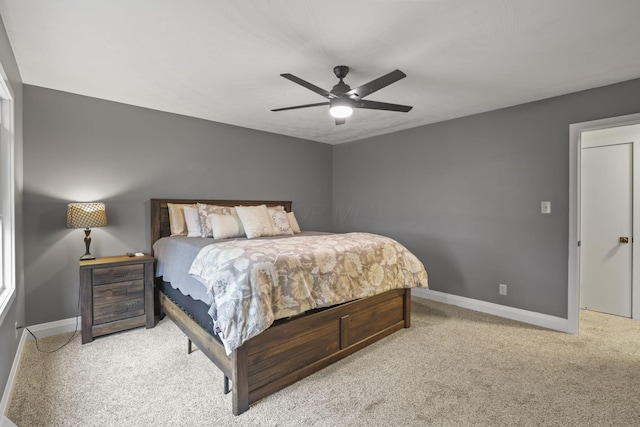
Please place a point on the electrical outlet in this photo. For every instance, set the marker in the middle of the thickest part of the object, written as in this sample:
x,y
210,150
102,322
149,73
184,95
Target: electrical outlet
x,y
545,207
502,289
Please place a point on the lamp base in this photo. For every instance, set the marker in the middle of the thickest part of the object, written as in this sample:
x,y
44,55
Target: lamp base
x,y
87,242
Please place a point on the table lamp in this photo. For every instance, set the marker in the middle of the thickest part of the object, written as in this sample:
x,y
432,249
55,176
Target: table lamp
x,y
87,216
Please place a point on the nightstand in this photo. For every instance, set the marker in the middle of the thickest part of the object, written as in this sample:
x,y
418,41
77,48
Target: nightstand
x,y
116,294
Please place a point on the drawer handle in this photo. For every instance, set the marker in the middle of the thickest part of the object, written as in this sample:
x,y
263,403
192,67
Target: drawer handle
x,y
124,310
119,291
120,273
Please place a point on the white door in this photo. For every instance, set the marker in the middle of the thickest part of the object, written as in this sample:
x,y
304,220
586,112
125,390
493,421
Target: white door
x,y
606,201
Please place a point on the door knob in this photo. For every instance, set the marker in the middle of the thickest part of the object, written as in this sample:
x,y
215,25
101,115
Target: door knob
x,y
623,240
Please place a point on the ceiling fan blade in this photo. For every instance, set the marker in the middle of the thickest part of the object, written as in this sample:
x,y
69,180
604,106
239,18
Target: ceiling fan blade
x,y
310,86
340,121
301,106
377,84
375,105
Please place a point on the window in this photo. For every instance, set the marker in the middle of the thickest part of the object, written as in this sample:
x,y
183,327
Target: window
x,y
7,208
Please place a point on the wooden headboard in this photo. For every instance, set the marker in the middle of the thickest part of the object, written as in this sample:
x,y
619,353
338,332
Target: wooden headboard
x,y
160,226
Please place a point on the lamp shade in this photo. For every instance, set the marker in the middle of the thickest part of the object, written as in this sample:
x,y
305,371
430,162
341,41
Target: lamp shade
x,y
86,215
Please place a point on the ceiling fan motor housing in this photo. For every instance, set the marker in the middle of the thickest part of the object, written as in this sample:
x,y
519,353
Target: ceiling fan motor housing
x,y
340,89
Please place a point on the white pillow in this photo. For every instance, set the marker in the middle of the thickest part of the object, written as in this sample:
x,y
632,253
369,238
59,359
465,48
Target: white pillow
x,y
280,221
192,219
293,222
226,226
255,220
205,210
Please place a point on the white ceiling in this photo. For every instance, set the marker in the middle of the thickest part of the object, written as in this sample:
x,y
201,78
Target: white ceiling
x,y
222,60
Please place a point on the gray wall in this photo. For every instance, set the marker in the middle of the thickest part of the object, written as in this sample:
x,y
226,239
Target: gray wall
x,y
8,341
465,195
84,149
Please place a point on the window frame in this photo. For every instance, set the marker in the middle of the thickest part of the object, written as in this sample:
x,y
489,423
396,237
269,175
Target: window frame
x,y
7,197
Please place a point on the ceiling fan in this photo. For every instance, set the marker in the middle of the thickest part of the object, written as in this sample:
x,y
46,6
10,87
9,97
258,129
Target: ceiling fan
x,y
343,99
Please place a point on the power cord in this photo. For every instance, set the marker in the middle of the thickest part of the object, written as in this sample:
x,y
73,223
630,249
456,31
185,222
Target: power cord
x,y
68,341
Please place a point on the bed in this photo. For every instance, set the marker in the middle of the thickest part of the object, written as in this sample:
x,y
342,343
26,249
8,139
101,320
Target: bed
x,y
291,348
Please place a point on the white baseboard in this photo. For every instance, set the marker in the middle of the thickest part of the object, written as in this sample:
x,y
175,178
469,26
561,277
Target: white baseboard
x,y
42,330
6,395
63,326
531,317
6,422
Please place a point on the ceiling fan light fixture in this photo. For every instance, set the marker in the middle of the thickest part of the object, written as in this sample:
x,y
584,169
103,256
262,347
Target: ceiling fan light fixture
x,y
340,110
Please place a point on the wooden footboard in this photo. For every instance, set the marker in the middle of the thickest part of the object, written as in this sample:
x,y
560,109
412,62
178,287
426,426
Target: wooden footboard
x,y
298,347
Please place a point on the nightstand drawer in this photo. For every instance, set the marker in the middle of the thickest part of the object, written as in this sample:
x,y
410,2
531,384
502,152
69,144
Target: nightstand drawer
x,y
119,273
119,310
115,292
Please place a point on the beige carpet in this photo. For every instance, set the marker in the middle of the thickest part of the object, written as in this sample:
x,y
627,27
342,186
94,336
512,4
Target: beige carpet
x,y
453,367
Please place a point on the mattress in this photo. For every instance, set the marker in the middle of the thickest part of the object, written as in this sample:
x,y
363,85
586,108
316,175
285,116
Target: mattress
x,y
250,283
174,256
196,309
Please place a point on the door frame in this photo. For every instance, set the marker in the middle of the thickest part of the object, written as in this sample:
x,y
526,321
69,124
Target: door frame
x,y
573,300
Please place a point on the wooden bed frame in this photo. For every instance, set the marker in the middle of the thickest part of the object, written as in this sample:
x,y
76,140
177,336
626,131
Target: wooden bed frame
x,y
290,349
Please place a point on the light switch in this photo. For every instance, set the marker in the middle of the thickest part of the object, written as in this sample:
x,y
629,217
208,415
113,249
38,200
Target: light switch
x,y
545,207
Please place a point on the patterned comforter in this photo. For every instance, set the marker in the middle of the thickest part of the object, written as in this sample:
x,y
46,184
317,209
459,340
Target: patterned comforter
x,y
254,282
